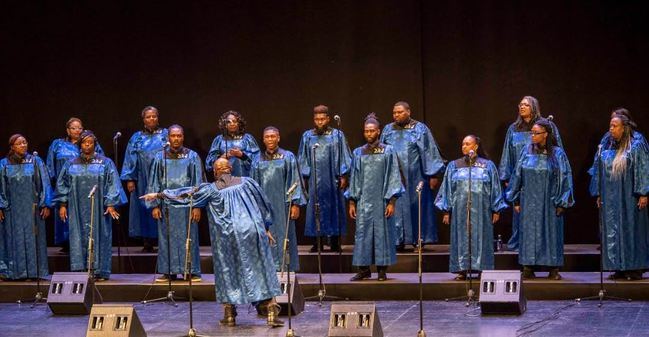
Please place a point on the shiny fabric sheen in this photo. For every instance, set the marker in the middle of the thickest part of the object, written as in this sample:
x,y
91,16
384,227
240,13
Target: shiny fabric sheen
x,y
486,199
240,167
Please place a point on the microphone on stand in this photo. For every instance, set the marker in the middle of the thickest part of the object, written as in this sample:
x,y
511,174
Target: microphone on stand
x,y
419,187
291,190
315,146
166,145
117,135
550,118
92,192
35,154
337,119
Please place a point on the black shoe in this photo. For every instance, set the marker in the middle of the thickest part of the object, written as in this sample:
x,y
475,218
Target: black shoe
x,y
382,275
361,275
334,243
633,275
528,273
401,248
314,248
336,248
617,275
554,275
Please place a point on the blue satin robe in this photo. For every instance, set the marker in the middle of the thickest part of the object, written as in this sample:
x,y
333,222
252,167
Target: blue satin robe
x,y
332,159
142,148
375,179
515,141
625,238
240,166
244,271
486,199
275,174
24,190
420,159
60,151
73,185
185,170
540,190
637,138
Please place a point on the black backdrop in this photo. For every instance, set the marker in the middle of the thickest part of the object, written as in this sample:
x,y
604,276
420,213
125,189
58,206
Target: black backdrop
x,y
463,67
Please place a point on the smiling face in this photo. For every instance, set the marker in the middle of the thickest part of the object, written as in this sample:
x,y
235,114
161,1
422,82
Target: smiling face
x,y
271,140
400,114
539,135
469,143
74,130
616,128
150,119
176,138
19,147
88,146
371,132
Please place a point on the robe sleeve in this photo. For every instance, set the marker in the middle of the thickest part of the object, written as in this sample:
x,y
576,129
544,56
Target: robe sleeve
x,y
393,186
292,177
214,153
507,162
594,171
557,136
129,167
497,200
261,199
563,197
198,175
155,180
45,188
304,156
444,199
355,189
99,149
431,159
516,179
640,161
3,187
113,192
250,151
62,185
342,148
51,160
179,197
602,142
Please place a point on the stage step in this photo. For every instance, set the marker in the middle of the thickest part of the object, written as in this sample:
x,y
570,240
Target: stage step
x,y
399,286
577,258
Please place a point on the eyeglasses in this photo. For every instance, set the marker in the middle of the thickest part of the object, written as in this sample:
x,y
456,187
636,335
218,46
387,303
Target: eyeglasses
x,y
520,105
538,133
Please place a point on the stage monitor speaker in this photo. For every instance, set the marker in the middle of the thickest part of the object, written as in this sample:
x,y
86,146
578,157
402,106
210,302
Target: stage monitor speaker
x,y
114,320
297,298
501,292
354,319
70,294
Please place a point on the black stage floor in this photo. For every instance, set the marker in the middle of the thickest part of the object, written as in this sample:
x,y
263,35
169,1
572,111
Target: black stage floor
x,y
543,318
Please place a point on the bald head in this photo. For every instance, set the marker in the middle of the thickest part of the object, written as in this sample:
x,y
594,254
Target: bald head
x,y
222,166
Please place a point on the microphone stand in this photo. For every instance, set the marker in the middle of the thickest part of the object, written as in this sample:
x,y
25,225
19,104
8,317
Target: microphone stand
x,y
38,189
421,332
286,260
170,293
322,291
340,218
188,267
601,296
120,233
91,247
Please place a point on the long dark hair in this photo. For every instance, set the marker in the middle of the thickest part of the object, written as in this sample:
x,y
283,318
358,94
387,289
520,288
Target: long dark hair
x,y
550,143
536,114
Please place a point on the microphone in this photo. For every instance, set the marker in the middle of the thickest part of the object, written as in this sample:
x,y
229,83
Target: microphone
x,y
117,135
471,153
316,145
550,118
337,118
419,187
292,189
166,145
92,192
35,154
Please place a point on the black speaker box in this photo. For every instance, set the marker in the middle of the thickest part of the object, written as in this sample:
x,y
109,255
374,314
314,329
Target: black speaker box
x,y
354,319
114,320
501,292
71,294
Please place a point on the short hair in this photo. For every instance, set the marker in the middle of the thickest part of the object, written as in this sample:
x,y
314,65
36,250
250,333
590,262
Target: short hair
x,y
176,126
149,108
72,120
321,109
85,134
270,128
404,104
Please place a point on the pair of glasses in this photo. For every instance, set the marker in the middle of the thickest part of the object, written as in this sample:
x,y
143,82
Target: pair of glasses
x,y
538,133
522,105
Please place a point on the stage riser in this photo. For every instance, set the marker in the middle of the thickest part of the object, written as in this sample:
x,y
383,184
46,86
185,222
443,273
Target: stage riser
x,y
406,263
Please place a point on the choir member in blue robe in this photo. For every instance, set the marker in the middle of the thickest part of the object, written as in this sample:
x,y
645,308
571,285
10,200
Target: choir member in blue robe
x,y
60,151
375,184
142,148
541,189
420,160
73,188
24,201
327,174
234,144
185,169
518,137
275,170
239,215
486,203
636,136
620,182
